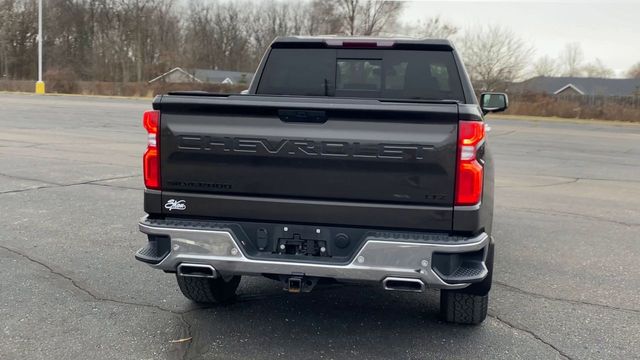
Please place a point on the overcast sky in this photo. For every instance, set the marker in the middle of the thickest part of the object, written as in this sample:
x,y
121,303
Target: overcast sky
x,y
609,30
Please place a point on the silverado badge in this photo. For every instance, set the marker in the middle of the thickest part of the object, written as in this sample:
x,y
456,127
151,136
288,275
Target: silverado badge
x,y
174,204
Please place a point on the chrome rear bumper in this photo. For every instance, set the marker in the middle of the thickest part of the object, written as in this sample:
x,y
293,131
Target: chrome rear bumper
x,y
376,260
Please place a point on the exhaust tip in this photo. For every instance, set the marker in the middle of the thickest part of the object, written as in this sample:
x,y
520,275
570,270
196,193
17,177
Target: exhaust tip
x,y
197,270
403,284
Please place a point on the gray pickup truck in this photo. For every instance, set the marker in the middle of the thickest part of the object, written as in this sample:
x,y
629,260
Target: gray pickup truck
x,y
348,159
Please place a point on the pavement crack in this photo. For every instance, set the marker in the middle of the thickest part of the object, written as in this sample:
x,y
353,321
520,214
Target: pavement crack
x,y
98,298
115,186
12,140
553,298
186,346
535,336
567,213
28,189
51,185
605,179
572,181
503,134
16,177
91,182
84,290
578,178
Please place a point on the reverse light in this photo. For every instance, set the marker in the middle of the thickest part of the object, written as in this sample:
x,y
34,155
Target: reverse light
x,y
469,180
151,158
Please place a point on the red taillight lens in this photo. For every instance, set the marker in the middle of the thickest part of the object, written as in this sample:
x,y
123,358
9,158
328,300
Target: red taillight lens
x,y
150,121
470,175
151,164
151,159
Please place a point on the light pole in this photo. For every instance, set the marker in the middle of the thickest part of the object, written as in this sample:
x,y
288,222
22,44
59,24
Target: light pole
x,y
40,83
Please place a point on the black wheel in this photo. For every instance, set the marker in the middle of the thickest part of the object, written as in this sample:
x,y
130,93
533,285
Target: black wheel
x,y
463,308
207,290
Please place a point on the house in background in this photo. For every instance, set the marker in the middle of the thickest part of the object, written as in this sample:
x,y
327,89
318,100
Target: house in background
x,y
180,75
578,86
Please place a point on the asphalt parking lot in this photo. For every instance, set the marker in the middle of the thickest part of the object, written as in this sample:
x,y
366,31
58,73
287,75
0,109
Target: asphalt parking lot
x,y
566,283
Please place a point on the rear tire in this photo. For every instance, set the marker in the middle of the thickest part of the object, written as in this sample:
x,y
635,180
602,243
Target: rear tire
x,y
463,308
207,290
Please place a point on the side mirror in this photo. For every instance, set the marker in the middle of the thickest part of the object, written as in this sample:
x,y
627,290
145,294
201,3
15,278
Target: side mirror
x,y
493,102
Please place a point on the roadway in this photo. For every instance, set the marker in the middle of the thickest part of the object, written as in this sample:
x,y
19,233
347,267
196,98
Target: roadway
x,y
567,277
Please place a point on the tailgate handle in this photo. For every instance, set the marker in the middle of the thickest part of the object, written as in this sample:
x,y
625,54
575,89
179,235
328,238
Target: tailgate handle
x,y
303,116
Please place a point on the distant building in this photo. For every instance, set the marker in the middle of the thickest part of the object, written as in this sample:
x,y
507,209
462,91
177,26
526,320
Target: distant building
x,y
578,86
180,75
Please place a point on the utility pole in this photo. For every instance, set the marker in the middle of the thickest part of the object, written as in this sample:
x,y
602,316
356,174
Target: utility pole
x,y
40,83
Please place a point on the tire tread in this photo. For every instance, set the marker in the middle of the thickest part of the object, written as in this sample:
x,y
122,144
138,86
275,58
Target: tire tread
x,y
208,291
463,308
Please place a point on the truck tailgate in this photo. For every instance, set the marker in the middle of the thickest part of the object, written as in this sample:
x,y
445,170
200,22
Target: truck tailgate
x,y
342,150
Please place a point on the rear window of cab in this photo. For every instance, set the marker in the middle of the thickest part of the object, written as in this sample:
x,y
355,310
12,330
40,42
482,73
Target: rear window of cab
x,y
381,74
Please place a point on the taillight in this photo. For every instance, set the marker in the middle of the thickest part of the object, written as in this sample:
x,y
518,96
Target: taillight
x,y
469,179
151,159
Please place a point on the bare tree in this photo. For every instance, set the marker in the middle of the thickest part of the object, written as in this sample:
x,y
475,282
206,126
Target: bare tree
x,y
598,69
18,38
494,56
571,59
368,17
323,18
348,11
545,66
434,28
379,15
198,30
634,71
230,37
6,14
270,20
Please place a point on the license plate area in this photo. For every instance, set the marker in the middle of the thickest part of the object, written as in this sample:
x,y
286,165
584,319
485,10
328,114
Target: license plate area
x,y
302,241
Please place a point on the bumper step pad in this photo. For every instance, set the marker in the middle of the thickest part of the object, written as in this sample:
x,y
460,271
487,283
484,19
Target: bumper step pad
x,y
468,271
